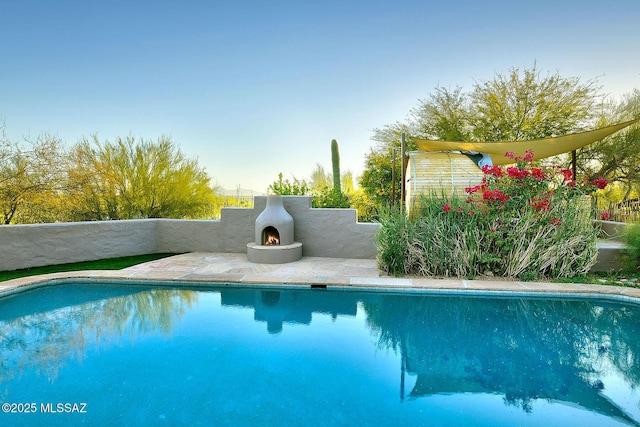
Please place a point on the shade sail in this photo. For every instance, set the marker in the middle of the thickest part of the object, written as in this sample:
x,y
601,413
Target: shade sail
x,y
541,148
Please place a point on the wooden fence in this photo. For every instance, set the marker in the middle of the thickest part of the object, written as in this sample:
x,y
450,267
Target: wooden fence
x,y
627,211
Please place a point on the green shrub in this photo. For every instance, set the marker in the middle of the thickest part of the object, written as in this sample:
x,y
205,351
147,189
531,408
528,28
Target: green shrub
x,y
393,241
522,221
288,188
631,252
330,198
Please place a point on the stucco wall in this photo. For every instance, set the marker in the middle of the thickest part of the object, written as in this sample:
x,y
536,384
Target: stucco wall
x,y
328,232
322,232
610,246
33,245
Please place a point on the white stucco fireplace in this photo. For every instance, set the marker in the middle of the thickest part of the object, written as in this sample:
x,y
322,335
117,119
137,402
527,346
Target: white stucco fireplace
x,y
274,241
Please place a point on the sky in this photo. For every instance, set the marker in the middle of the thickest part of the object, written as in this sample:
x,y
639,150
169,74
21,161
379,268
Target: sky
x,y
255,88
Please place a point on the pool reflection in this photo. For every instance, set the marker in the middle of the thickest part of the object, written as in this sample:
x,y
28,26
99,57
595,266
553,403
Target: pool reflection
x,y
523,349
277,307
44,328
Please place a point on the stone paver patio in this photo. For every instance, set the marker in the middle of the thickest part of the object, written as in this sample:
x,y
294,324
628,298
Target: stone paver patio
x,y
226,268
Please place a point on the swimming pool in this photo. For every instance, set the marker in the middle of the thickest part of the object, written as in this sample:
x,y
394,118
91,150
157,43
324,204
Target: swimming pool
x,y
105,354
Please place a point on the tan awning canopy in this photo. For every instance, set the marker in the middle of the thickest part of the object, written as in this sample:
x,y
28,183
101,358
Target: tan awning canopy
x,y
541,148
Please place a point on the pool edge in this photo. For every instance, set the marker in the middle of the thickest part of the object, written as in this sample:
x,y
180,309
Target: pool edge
x,y
493,288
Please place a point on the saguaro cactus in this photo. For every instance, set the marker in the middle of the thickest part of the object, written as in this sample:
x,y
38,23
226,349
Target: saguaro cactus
x,y
335,161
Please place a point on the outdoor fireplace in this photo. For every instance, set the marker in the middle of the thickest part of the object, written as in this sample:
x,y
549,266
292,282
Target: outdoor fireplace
x,y
274,242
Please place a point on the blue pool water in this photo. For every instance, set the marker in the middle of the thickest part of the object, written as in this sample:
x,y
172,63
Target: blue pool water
x,y
105,355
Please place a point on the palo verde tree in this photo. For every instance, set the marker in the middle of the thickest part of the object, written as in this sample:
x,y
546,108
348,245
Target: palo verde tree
x,y
514,106
319,179
523,105
31,179
136,179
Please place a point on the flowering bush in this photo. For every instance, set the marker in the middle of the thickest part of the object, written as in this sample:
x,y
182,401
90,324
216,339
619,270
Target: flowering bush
x,y
522,221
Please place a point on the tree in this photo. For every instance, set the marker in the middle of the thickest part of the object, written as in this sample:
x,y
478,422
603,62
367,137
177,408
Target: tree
x,y
31,179
522,106
616,158
376,180
513,106
444,115
377,177
136,179
319,179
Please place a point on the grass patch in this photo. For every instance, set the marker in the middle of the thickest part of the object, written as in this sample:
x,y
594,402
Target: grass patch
x,y
101,264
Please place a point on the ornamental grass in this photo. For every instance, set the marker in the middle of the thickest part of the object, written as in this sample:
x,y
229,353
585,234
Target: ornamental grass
x,y
523,221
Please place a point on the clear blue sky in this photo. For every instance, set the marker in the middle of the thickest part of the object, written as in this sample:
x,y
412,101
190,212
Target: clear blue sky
x,y
253,88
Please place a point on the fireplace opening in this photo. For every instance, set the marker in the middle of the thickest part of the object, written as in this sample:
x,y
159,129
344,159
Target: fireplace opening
x,y
270,236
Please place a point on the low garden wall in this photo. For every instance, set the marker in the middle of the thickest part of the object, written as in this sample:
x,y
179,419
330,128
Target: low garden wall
x,y
610,246
333,233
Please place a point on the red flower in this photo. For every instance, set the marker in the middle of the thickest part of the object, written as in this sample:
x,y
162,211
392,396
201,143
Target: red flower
x,y
537,173
515,172
541,204
471,190
568,175
446,207
600,183
528,156
492,170
495,196
605,216
555,221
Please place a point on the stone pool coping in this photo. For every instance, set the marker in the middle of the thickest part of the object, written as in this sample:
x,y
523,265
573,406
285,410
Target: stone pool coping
x,y
316,272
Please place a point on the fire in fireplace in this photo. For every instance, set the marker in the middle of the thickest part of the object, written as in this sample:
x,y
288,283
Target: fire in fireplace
x,y
270,236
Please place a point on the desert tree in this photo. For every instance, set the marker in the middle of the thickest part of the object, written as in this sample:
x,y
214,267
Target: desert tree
x,y
616,158
132,178
31,179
